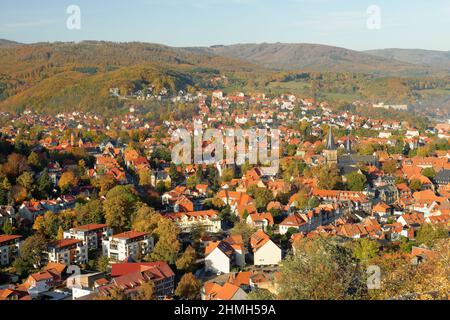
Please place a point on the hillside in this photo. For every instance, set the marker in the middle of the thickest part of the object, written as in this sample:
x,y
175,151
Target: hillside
x,y
432,58
55,77
61,76
313,57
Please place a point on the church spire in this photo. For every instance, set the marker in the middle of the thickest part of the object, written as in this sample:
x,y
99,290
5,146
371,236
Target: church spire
x,y
348,145
330,141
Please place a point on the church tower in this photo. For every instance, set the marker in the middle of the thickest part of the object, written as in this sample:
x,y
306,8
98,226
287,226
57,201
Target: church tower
x,y
330,153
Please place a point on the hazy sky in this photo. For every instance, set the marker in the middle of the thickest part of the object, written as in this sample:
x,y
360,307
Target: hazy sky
x,y
404,23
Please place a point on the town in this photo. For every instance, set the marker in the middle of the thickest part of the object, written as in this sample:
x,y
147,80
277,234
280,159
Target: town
x,y
94,208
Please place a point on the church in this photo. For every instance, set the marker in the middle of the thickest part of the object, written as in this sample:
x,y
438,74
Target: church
x,y
348,161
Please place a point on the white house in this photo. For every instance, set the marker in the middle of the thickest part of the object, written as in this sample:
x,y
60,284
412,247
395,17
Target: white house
x,y
68,251
265,251
91,234
208,219
128,244
9,248
221,256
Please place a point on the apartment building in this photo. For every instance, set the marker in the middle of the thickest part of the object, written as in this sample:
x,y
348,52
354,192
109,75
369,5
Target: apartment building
x,y
128,244
9,248
92,235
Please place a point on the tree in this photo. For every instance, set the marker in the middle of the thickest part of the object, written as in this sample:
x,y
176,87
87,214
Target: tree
x,y
34,161
168,246
356,181
67,181
415,185
90,213
47,225
118,207
188,287
60,234
105,183
428,234
146,219
328,176
145,292
301,199
259,294
102,264
262,196
401,279
429,173
365,249
15,165
321,270
390,166
31,254
113,294
44,184
243,229
186,262
145,177
8,228
26,180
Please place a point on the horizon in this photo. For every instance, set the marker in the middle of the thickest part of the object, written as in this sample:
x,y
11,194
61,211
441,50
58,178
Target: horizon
x,y
216,45
357,25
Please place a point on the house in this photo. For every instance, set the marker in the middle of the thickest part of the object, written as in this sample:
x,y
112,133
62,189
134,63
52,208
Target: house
x,y
91,234
128,244
294,221
382,210
411,222
41,282
227,292
68,251
129,276
84,284
265,251
9,248
209,220
260,220
220,256
160,177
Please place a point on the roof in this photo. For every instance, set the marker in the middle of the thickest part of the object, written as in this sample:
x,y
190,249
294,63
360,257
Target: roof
x,y
159,269
215,291
258,240
90,227
6,238
64,243
129,235
294,220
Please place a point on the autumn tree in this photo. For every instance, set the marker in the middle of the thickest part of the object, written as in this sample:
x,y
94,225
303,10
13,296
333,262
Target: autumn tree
x,y
67,181
189,287
321,270
145,219
365,249
259,294
428,234
168,246
186,262
390,166
31,254
146,292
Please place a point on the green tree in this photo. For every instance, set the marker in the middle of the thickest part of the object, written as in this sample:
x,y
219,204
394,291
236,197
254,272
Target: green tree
x,y
44,184
365,250
429,173
118,207
356,181
390,166
415,185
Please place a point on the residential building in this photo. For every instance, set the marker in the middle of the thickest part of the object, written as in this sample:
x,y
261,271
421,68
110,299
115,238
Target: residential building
x,y
91,234
128,244
68,251
9,248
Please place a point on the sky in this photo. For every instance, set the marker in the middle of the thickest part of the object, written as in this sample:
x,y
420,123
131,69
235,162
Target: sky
x,y
344,23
